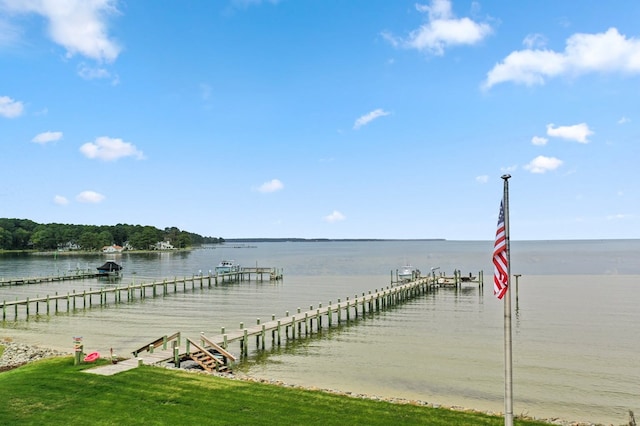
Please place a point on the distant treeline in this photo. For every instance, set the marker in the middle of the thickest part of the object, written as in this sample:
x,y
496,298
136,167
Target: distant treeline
x,y
25,234
294,240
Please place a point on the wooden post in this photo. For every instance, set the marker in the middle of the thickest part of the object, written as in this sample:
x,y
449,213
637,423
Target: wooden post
x,y
246,351
348,311
176,356
273,331
278,332
258,337
293,327
306,323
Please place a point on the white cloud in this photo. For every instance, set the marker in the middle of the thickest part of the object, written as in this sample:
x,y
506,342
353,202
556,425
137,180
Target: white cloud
x,y
80,26
620,216
482,179
271,186
89,197
602,52
9,33
367,118
10,108
624,120
47,137
110,149
89,72
539,140
60,200
335,216
577,132
442,30
542,164
534,40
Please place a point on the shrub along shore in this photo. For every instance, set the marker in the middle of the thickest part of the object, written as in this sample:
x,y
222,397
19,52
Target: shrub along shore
x,y
48,388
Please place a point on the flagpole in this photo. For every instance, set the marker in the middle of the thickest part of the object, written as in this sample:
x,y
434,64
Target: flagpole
x,y
508,362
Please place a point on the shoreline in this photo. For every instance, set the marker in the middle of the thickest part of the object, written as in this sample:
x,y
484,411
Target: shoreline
x,y
17,354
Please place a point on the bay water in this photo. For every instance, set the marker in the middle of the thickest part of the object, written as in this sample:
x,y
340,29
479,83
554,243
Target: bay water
x,y
575,319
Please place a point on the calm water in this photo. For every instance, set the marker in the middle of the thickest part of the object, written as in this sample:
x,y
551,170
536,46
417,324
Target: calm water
x,y
575,322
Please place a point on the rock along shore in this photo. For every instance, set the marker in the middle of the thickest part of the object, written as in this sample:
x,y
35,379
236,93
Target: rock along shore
x,y
17,354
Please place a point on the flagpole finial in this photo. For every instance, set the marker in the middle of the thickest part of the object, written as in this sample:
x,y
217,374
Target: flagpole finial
x,y
505,177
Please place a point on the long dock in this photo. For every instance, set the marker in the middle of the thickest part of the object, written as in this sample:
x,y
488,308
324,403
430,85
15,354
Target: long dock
x,y
212,352
75,275
73,300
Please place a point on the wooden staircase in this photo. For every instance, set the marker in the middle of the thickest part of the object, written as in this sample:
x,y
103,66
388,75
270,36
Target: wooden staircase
x,y
209,359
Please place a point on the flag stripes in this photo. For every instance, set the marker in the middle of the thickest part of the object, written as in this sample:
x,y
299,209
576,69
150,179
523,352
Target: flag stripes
x,y
500,264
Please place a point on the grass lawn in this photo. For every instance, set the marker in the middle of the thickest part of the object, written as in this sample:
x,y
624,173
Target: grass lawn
x,y
55,392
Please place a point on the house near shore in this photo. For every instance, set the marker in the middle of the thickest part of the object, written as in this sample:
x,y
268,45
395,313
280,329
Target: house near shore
x,y
112,249
162,245
68,246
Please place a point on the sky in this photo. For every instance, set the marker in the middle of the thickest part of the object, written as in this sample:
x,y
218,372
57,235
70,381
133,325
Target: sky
x,y
323,118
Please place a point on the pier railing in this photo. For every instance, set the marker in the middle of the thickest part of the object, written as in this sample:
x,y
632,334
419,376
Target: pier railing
x,y
73,300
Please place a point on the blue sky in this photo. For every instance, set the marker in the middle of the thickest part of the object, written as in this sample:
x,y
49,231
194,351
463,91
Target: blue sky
x,y
328,119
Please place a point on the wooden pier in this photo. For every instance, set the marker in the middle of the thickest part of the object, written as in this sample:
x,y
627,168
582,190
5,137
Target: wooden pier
x,y
245,273
73,300
443,280
76,275
212,352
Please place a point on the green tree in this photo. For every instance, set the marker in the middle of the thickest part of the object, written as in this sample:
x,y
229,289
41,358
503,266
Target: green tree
x,y
89,241
143,240
21,239
104,239
183,240
6,239
44,238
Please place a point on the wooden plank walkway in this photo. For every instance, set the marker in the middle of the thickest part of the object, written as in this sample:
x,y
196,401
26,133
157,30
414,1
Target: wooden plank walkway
x,y
48,279
147,358
291,327
84,299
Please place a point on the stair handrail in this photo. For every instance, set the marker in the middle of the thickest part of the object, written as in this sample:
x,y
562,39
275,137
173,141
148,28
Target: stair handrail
x,y
218,348
201,349
158,342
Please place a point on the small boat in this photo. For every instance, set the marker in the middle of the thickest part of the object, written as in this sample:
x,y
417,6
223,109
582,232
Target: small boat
x,y
110,268
92,357
408,273
227,266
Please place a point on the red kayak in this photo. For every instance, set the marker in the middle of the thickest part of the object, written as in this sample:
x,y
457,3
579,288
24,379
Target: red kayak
x,y
92,357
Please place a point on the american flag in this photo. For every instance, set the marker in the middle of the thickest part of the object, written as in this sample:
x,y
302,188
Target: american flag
x,y
500,264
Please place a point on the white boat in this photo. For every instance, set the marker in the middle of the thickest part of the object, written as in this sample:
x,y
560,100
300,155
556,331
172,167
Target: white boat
x,y
227,266
407,273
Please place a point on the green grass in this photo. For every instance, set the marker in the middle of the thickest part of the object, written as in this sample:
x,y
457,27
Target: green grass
x,y
55,392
